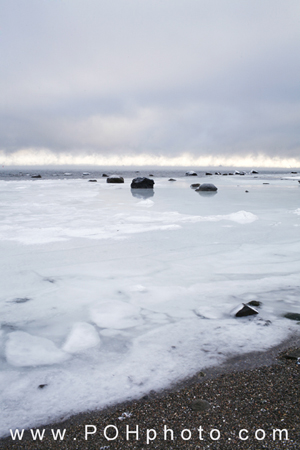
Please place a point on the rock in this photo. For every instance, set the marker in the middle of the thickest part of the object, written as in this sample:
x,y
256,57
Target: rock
x,y
254,303
266,183
217,173
104,175
21,300
294,354
172,179
86,173
199,405
294,172
207,187
246,191
36,176
151,175
230,173
292,316
208,173
114,179
191,173
195,185
253,171
142,183
224,174
41,386
246,310
93,181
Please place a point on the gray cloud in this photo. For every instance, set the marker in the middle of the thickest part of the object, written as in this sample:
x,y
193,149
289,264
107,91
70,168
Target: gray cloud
x,y
156,77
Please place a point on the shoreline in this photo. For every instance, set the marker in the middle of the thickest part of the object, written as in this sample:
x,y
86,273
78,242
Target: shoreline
x,y
250,392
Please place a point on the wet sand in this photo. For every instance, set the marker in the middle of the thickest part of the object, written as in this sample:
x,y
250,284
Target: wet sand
x,y
238,405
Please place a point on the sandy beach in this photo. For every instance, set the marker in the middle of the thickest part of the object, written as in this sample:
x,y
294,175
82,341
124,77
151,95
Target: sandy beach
x,y
250,402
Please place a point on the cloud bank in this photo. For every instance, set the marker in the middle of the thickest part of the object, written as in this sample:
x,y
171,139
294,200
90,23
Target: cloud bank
x,y
160,82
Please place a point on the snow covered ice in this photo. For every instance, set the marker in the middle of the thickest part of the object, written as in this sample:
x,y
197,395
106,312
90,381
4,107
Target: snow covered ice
x,y
107,294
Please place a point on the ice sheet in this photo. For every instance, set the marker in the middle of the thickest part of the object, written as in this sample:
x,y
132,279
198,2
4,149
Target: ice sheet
x,y
107,294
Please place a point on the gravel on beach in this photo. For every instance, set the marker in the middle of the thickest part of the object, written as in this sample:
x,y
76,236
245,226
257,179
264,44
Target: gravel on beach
x,y
239,409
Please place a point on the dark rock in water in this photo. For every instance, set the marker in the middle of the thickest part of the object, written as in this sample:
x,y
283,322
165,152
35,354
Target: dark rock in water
x,y
36,176
195,185
151,175
114,179
41,386
246,191
207,187
191,173
292,316
224,174
208,173
254,303
21,300
171,179
93,181
253,171
246,310
142,183
199,405
217,173
266,183
230,173
294,172
104,175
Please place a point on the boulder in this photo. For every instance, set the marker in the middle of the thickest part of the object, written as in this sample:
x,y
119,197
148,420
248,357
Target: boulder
x,y
208,173
114,179
172,179
246,310
93,181
105,175
207,187
142,183
254,303
36,176
253,171
191,173
195,185
292,316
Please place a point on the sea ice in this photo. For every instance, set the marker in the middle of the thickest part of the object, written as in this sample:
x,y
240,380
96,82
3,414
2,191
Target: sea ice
x,y
23,349
127,293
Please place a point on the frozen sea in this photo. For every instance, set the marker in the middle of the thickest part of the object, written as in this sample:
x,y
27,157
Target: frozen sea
x,y
108,293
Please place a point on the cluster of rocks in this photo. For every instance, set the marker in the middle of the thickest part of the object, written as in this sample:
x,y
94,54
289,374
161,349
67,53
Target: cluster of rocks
x,y
137,183
249,309
236,172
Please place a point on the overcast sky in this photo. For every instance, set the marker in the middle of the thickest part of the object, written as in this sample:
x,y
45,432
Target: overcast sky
x,y
149,80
